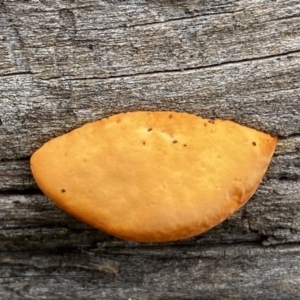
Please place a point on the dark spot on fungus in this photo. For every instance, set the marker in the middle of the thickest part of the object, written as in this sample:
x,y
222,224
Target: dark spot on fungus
x,y
91,47
184,145
253,143
144,143
17,202
170,116
63,190
1,122
175,142
205,124
150,129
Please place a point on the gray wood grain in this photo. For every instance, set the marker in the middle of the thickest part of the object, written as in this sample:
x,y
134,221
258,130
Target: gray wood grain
x,y
65,63
234,272
245,93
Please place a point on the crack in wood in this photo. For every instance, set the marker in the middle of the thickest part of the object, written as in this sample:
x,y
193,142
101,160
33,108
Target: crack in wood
x,y
15,74
181,70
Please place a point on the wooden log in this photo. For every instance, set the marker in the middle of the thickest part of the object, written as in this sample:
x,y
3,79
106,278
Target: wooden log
x,y
225,272
65,63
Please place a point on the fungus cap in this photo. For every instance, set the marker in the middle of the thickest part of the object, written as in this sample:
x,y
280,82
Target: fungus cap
x,y
153,176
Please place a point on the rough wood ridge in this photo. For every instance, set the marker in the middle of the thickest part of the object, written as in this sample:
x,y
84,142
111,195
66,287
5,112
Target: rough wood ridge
x,y
65,63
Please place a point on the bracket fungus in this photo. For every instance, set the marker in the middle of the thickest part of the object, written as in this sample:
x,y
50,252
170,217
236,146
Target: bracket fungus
x,y
153,176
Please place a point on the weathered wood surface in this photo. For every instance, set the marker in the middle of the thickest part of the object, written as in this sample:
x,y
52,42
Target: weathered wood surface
x,y
64,63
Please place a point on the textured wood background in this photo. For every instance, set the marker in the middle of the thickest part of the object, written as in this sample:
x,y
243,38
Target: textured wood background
x,y
67,62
